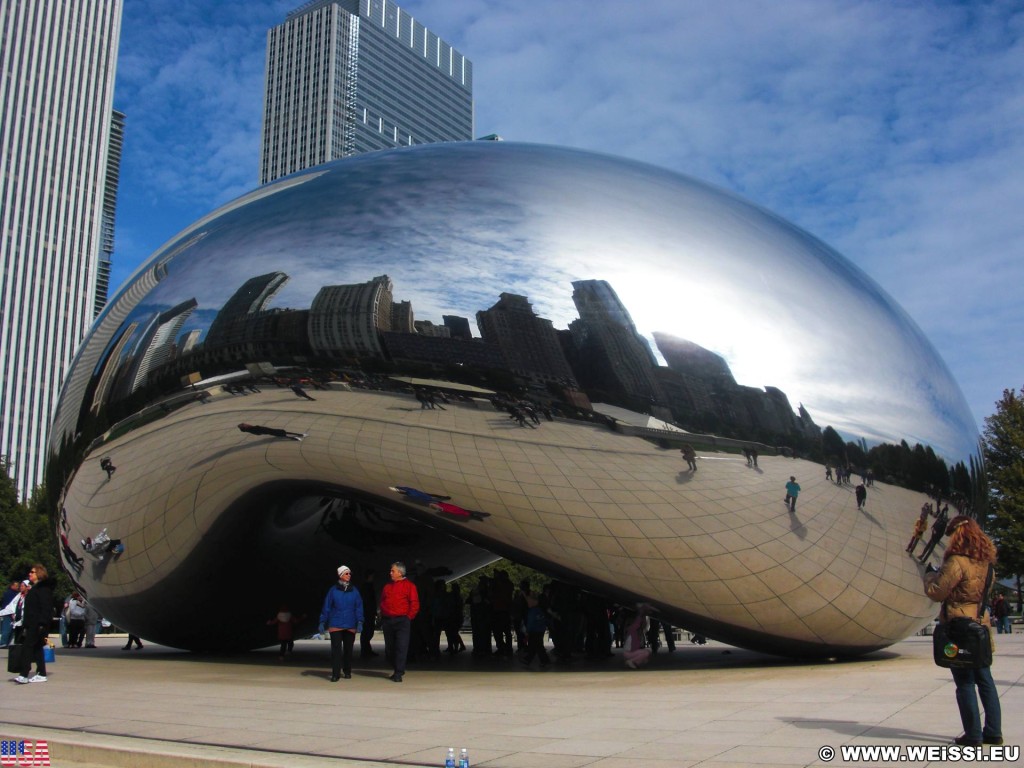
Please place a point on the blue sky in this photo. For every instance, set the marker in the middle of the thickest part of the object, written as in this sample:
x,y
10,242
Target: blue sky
x,y
889,130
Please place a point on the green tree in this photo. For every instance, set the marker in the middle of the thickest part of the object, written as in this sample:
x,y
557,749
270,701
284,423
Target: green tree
x,y
26,535
10,525
19,537
1003,445
515,571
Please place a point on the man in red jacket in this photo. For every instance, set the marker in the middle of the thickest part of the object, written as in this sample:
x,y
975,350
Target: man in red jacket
x,y
399,604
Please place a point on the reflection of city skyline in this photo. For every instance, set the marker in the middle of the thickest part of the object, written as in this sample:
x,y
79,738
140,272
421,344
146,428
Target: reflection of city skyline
x,y
600,357
781,307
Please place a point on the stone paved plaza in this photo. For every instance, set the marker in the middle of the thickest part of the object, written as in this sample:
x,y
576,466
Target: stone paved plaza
x,y
711,706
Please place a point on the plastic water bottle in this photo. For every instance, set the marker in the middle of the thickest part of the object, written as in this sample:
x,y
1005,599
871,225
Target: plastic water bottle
x,y
449,762
464,758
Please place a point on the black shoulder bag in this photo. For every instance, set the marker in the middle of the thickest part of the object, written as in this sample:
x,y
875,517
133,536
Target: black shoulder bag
x,y
964,643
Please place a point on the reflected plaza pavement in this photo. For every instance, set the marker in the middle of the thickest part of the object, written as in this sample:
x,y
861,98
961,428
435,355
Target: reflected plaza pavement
x,y
619,508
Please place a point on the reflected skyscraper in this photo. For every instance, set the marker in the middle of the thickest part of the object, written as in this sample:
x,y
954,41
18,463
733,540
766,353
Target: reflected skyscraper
x,y
249,300
701,389
349,319
684,356
402,317
157,343
351,76
529,343
427,328
608,350
56,91
458,326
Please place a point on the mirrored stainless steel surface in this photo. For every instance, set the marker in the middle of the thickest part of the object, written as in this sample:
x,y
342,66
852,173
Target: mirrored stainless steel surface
x,y
521,340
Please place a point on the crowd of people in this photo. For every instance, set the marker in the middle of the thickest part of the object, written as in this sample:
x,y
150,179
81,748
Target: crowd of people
x,y
421,618
26,619
525,413
509,620
841,475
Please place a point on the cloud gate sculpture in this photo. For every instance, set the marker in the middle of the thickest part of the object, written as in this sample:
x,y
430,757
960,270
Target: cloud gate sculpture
x,y
449,353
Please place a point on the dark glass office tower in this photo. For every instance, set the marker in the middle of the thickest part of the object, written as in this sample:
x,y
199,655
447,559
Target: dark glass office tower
x,y
351,76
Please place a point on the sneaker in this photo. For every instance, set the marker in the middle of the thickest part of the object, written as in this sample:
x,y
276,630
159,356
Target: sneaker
x,y
996,740
20,679
963,741
37,679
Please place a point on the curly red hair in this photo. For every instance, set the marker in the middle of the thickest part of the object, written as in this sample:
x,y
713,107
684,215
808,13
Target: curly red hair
x,y
966,538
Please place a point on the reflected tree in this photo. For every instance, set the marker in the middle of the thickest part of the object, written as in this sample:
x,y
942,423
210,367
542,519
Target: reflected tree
x,y
832,446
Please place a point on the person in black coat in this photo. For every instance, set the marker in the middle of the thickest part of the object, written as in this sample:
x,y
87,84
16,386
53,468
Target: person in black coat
x,y
369,594
38,617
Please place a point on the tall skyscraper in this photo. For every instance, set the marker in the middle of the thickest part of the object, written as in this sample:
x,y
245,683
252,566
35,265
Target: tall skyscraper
x,y
57,65
113,179
351,76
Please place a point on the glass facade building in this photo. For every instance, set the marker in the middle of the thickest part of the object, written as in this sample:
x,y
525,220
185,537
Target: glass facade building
x,y
57,66
350,76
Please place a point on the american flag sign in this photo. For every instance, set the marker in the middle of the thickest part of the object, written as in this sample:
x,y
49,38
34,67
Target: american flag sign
x,y
24,753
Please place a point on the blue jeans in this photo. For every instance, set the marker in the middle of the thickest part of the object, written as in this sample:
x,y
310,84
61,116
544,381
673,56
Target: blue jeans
x,y
6,630
967,680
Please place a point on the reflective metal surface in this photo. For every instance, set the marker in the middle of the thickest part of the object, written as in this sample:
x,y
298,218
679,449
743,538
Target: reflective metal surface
x,y
619,304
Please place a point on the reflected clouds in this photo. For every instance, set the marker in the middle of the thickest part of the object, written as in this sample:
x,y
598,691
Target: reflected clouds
x,y
454,228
